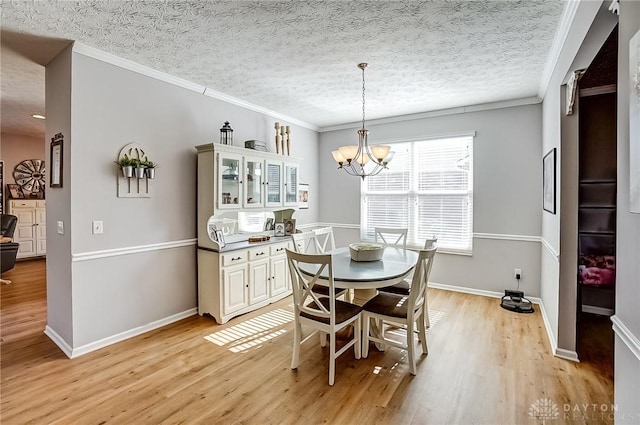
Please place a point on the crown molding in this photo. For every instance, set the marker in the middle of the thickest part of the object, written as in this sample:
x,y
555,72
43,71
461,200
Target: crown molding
x,y
439,113
568,15
112,59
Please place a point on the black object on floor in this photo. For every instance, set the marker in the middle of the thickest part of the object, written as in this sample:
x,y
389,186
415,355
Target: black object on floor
x,y
515,301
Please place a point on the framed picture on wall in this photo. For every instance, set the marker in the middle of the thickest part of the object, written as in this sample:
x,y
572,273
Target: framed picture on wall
x,y
634,124
56,161
303,196
549,181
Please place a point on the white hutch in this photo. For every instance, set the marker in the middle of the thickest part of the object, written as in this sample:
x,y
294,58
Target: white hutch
x,y
242,276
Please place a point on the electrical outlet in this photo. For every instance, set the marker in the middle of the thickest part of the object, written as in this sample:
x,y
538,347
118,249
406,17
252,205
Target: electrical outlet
x,y
97,227
60,227
517,273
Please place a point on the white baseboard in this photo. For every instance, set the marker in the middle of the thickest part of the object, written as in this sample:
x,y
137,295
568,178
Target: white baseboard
x,y
93,346
474,291
58,340
557,352
597,310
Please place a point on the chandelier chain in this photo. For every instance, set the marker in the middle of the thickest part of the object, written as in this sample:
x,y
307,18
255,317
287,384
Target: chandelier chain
x,y
362,97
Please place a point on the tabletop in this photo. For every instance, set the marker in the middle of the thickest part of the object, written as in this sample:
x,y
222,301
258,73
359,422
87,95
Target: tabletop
x,y
395,264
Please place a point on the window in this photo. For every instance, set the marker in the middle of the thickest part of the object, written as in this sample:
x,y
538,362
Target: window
x,y
428,188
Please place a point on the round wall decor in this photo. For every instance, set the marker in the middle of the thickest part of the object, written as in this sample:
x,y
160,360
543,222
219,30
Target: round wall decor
x,y
29,174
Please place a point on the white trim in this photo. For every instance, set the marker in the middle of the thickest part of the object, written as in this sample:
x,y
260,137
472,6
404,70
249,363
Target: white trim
x,y
625,334
112,59
58,340
504,237
594,91
592,309
550,249
474,291
567,355
257,108
438,113
562,33
93,346
93,255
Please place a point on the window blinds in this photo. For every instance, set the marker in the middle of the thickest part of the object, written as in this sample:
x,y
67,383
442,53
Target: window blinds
x,y
427,189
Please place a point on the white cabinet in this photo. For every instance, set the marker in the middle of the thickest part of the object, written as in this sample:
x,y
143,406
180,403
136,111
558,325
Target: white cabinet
x,y
236,282
290,184
274,183
31,230
238,179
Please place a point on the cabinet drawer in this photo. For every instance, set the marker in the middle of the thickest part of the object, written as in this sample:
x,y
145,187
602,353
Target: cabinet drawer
x,y
22,204
258,253
278,249
234,257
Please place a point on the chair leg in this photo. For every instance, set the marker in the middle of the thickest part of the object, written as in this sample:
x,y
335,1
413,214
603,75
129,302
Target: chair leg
x,y
411,347
5,281
323,339
422,335
357,347
332,358
365,335
425,311
297,337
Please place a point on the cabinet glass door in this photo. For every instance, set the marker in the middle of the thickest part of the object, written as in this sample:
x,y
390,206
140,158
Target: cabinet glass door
x,y
274,184
253,186
290,185
229,180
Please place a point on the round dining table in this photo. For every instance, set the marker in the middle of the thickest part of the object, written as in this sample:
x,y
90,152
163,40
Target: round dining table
x,y
364,277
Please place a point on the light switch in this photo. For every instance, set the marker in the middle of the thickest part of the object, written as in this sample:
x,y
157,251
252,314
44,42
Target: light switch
x,y
97,227
60,227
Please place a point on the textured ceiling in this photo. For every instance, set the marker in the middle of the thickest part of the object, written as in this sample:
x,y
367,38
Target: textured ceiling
x,y
299,57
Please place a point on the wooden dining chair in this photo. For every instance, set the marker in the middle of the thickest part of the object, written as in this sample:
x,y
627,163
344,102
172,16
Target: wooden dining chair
x,y
403,287
401,310
392,236
324,239
308,243
324,314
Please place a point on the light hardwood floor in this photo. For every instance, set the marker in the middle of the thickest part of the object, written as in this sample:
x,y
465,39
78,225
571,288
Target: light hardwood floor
x,y
485,366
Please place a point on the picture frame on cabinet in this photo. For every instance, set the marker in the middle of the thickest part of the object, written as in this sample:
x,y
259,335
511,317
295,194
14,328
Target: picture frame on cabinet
x,y
303,196
289,226
549,181
15,191
279,229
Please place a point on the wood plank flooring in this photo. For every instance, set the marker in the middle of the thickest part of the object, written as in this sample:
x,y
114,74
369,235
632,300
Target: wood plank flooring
x,y
485,366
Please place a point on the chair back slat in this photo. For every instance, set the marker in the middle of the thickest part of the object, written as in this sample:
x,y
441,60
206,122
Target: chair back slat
x,y
306,243
305,300
324,239
392,236
421,273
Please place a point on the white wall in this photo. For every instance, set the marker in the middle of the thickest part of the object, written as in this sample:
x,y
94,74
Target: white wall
x,y
59,286
117,292
627,318
507,192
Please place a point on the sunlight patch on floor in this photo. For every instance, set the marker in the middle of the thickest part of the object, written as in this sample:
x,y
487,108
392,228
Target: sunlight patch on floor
x,y
253,332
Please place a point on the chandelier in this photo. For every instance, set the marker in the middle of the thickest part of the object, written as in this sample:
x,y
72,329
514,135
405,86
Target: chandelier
x,y
363,160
